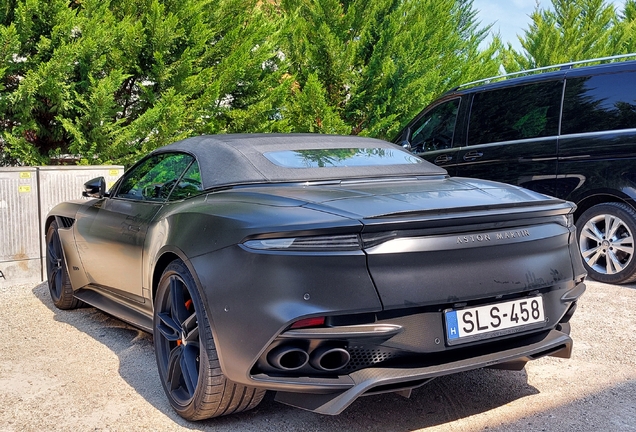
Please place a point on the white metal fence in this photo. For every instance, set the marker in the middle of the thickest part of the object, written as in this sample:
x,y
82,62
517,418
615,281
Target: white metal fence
x,y
27,194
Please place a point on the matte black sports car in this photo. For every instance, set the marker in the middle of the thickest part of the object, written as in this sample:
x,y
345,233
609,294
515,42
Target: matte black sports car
x,y
322,267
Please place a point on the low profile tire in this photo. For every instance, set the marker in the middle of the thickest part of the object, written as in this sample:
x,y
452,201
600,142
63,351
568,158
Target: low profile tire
x,y
186,355
606,241
57,275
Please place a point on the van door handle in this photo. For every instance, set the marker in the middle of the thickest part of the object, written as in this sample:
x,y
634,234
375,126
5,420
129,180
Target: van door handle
x,y
472,155
441,159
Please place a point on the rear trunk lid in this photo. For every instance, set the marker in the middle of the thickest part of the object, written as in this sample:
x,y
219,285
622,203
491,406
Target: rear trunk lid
x,y
474,261
444,241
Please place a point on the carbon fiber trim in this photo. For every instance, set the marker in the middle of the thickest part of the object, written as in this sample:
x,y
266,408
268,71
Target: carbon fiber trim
x,y
555,343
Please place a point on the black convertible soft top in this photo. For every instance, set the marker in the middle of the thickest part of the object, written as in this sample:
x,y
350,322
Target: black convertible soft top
x,y
226,160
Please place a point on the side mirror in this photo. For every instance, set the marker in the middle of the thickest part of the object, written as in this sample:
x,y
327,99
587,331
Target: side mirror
x,y
405,145
405,140
95,188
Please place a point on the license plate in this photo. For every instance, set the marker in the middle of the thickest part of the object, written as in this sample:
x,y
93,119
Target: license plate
x,y
481,322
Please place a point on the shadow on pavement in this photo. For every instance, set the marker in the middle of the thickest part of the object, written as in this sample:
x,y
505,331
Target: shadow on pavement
x,y
613,409
443,400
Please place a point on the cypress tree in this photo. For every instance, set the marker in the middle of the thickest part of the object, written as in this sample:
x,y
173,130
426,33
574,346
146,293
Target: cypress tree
x,y
574,30
626,29
370,66
110,80
101,81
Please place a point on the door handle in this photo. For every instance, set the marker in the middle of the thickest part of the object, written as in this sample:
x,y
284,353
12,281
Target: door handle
x,y
441,159
472,155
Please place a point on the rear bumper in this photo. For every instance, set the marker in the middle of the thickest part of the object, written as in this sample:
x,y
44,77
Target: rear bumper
x,y
340,395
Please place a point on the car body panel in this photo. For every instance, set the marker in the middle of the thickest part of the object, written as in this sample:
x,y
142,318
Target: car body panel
x,y
423,271
376,199
422,243
585,170
524,163
340,284
111,233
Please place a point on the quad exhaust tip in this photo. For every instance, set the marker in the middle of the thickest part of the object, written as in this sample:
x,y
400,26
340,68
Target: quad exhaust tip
x,y
327,359
288,358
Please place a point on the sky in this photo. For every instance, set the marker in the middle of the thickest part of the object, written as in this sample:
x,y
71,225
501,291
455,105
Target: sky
x,y
512,17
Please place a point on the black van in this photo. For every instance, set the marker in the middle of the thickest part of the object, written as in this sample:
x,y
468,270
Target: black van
x,y
570,133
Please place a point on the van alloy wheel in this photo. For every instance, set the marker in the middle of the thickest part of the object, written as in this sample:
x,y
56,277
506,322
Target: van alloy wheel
x,y
606,241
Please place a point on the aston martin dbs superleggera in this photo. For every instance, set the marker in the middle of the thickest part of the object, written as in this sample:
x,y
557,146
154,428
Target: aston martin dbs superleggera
x,y
321,267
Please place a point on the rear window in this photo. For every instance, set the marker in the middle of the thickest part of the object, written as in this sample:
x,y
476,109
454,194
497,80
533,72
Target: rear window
x,y
600,103
522,112
341,157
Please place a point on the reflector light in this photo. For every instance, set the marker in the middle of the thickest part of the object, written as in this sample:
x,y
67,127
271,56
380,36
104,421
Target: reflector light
x,y
309,322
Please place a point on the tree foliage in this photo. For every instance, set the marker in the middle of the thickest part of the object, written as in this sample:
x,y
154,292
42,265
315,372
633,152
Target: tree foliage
x,y
574,30
100,81
375,64
626,29
108,80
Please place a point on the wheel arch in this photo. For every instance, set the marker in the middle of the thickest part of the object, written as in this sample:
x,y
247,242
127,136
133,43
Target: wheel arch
x,y
161,263
48,222
165,257
600,198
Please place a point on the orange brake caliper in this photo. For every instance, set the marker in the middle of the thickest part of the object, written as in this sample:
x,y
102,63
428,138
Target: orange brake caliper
x,y
188,305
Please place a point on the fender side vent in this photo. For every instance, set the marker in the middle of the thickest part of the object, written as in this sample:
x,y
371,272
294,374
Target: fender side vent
x,y
66,222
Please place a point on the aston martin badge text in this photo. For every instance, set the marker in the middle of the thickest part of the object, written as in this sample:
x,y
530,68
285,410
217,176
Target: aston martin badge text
x,y
489,237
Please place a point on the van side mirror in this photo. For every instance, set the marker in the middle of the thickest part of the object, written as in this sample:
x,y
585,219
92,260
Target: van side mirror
x,y
405,145
405,139
95,188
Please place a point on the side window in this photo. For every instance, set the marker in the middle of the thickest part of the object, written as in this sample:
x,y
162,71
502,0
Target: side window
x,y
154,178
514,113
434,131
189,184
599,103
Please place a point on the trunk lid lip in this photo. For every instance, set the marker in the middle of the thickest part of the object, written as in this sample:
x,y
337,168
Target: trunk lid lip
x,y
479,219
552,204
383,200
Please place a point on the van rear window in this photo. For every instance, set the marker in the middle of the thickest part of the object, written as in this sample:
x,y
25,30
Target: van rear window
x,y
600,103
514,113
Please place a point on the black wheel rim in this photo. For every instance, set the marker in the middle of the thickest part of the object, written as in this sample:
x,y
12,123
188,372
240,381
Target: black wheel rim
x,y
177,341
54,268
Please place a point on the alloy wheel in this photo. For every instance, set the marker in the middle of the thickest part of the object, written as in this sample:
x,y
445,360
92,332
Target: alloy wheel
x,y
606,244
179,346
54,268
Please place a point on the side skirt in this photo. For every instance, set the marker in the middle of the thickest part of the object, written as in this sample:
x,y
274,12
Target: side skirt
x,y
131,312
